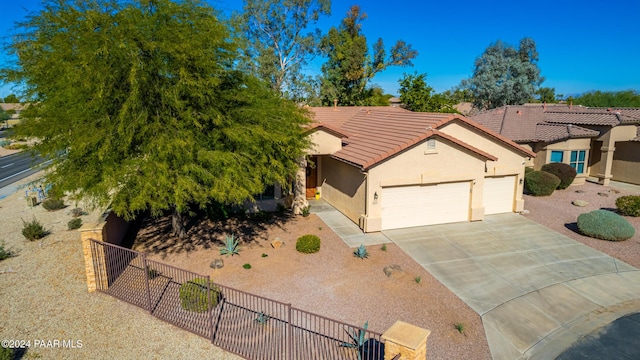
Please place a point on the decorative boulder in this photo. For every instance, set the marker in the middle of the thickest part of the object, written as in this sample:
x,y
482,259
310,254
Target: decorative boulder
x,y
605,225
580,203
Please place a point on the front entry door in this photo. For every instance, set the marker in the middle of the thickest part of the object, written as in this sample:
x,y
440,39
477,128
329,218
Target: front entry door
x,y
312,176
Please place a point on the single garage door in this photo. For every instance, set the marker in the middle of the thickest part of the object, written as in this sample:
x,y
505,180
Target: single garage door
x,y
498,195
418,205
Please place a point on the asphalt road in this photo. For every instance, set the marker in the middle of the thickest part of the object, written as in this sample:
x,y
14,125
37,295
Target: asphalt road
x,y
17,167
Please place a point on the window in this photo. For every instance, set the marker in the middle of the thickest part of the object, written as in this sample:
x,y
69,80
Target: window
x,y
577,160
268,193
557,156
430,146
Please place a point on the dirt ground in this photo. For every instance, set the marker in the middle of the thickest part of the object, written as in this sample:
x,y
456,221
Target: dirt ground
x,y
332,282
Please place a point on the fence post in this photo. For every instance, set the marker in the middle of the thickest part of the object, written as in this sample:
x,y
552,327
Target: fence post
x,y
406,340
94,262
211,309
289,336
147,278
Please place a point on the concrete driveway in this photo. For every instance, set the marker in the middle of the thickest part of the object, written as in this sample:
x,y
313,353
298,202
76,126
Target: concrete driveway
x,y
536,290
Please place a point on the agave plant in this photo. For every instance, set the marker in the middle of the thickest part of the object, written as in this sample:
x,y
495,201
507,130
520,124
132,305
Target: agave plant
x,y
361,252
262,318
357,339
230,247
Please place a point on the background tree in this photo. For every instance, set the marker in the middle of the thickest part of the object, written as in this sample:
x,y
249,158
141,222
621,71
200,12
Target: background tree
x,y
458,95
349,69
11,98
278,44
144,98
546,95
627,98
4,116
505,75
417,95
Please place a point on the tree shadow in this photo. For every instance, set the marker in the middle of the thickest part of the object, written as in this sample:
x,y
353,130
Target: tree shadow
x,y
153,235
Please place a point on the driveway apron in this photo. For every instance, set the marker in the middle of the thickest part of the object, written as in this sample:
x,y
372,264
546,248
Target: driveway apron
x,y
536,290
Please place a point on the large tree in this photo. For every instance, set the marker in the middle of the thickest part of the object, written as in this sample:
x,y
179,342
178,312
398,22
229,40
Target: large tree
x,y
143,98
628,98
279,42
417,95
349,68
546,95
505,75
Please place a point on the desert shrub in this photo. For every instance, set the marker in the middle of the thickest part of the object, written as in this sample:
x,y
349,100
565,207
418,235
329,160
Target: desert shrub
x,y
5,253
308,244
7,353
606,225
33,230
563,171
4,143
193,295
74,224
77,212
53,204
15,146
628,205
541,183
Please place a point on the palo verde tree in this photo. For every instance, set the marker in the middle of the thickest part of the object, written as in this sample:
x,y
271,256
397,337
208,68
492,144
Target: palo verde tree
x,y
505,75
279,42
143,98
349,68
417,95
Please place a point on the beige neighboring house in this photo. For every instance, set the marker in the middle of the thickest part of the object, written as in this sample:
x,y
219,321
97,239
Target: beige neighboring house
x,y
14,109
388,168
597,142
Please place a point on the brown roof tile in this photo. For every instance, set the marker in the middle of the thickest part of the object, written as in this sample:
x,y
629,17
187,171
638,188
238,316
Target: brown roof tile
x,y
377,133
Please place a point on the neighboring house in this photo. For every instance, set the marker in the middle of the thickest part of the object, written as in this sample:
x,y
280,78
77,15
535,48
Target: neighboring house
x,y
395,102
14,109
597,142
386,167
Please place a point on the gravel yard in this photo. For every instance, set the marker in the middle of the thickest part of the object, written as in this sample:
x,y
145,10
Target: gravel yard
x,y
556,212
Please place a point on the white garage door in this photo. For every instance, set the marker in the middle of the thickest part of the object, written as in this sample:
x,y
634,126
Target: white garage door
x,y
499,193
417,205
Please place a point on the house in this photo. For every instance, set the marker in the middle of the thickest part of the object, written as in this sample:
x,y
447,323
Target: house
x,y
14,110
597,142
387,168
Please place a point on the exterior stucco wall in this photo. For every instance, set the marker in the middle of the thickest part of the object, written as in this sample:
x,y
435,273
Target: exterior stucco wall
x,y
567,147
323,143
510,161
626,162
417,165
343,186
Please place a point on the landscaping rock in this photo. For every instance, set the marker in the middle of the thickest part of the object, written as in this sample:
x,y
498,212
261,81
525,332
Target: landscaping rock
x,y
603,194
217,264
580,191
615,191
580,203
524,212
389,270
277,243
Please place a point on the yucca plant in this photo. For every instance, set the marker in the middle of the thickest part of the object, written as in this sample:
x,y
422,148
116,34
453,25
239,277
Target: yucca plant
x,y
230,247
358,339
361,252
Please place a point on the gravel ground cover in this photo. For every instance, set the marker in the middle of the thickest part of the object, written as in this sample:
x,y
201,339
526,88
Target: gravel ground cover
x,y
556,212
43,297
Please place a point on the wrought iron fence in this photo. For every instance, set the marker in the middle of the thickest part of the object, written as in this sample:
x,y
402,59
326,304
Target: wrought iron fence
x,y
246,324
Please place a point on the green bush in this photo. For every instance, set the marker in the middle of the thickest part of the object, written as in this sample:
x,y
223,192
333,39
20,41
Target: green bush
x,y
540,183
33,230
308,244
606,225
7,353
193,295
53,204
74,224
16,147
4,143
4,252
563,171
629,205
528,169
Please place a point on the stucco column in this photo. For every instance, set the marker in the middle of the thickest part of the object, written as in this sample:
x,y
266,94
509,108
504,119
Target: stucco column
x,y
300,187
88,232
606,162
407,340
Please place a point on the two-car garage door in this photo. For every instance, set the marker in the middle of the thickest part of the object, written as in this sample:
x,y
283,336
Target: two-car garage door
x,y
418,205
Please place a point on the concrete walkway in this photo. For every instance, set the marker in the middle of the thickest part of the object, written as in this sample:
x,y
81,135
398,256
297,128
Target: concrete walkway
x,y
536,290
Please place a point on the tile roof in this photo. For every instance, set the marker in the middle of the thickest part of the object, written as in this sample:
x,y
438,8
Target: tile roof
x,y
374,134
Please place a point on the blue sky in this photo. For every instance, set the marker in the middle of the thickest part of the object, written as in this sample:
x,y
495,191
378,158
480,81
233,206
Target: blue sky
x,y
582,45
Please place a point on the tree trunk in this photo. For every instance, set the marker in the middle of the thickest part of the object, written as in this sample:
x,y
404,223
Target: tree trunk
x,y
300,187
177,224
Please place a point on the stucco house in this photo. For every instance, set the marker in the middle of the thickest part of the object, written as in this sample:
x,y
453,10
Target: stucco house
x,y
387,168
598,142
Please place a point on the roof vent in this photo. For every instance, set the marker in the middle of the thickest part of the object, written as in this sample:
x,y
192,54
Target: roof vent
x,y
428,128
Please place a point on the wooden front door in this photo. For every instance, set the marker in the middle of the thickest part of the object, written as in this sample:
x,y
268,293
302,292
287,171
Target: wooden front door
x,y
312,176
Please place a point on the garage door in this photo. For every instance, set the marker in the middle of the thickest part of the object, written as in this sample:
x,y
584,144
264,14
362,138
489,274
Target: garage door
x,y
499,193
407,206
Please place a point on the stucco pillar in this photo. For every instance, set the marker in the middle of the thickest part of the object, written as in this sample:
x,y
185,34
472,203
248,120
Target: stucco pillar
x,y
606,162
88,232
300,187
407,340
